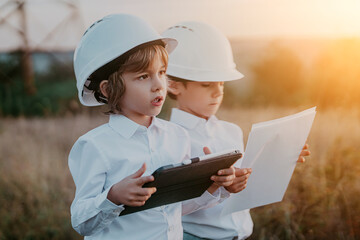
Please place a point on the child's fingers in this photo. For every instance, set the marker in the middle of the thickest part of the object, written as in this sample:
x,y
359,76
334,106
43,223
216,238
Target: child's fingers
x,y
139,172
225,177
242,171
239,186
242,188
306,146
305,153
236,186
227,171
223,180
206,150
138,199
241,178
301,159
233,189
146,191
142,198
136,203
142,180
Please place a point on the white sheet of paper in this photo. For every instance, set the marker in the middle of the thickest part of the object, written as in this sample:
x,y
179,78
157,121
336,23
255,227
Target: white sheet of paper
x,y
272,150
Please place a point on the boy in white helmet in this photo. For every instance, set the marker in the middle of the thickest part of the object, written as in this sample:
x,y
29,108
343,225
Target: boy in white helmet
x,y
197,70
121,61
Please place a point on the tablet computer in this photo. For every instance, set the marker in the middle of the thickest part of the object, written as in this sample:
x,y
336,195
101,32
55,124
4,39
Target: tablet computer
x,y
186,180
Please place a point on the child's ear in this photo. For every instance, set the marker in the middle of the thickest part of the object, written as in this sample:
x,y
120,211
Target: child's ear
x,y
103,87
173,87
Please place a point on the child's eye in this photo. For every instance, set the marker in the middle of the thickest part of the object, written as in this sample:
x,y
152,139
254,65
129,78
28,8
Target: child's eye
x,y
205,84
143,77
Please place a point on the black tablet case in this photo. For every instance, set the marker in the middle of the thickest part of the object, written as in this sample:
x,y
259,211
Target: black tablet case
x,y
175,183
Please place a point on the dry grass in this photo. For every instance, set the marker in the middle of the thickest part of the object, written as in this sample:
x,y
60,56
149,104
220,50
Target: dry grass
x,y
322,198
36,188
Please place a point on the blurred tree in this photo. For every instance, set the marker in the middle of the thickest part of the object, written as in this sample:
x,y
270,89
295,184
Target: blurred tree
x,y
336,75
56,89
10,67
278,76
10,82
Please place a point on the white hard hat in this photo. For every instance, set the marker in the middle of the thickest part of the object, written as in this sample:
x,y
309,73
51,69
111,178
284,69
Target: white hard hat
x,y
203,54
105,41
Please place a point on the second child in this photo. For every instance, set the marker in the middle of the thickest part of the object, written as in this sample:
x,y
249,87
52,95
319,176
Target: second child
x,y
197,70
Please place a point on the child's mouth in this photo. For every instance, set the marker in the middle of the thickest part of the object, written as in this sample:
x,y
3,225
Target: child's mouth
x,y
157,101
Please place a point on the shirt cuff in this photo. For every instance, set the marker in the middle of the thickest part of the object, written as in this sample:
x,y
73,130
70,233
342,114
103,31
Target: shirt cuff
x,y
224,194
207,198
105,205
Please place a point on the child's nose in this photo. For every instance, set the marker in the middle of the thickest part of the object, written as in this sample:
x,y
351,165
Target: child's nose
x,y
218,91
158,83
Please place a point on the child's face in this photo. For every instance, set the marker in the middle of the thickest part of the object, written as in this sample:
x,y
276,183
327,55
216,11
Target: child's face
x,y
201,99
145,92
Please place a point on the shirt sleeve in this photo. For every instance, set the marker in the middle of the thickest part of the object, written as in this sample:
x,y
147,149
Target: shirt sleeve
x,y
224,194
206,200
91,211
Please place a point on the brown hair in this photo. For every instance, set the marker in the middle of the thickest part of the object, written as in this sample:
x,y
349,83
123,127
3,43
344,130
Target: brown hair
x,y
138,61
176,79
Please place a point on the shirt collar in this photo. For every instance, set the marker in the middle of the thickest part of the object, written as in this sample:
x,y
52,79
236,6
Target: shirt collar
x,y
127,128
189,120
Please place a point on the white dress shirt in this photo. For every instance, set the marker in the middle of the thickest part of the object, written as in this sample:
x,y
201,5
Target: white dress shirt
x,y
113,151
218,136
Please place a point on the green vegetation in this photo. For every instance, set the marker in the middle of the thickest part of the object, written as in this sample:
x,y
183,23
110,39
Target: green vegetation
x,y
55,90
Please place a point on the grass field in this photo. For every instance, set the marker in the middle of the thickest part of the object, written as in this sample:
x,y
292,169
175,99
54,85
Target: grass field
x,y
322,200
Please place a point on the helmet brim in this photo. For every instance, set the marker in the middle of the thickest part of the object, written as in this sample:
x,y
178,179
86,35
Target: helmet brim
x,y
203,75
87,97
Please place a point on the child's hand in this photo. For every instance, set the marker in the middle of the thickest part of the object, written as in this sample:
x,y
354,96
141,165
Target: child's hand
x,y
305,152
224,177
241,178
129,191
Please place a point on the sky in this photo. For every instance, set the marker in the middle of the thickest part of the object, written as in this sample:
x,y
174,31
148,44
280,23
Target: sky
x,y
235,18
